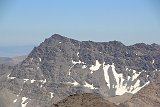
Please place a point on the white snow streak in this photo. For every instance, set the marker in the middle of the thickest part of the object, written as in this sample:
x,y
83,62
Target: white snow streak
x,y
24,103
10,77
39,59
135,75
74,62
78,54
25,80
84,66
52,94
95,67
32,81
43,81
73,83
14,101
69,73
138,88
106,75
89,86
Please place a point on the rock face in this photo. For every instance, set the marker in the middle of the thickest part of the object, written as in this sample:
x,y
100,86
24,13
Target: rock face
x,y
84,100
60,67
5,93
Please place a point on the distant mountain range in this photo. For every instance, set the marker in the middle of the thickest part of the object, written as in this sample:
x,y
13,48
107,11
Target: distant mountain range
x,y
13,51
12,61
60,67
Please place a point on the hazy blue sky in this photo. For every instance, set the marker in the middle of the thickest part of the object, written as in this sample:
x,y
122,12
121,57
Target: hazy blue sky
x,y
29,22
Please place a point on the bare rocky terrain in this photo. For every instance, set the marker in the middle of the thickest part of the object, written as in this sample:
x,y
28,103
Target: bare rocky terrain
x,y
120,99
84,100
61,66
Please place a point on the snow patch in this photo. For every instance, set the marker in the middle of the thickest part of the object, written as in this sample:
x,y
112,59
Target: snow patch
x,y
84,66
69,73
25,80
74,62
89,86
32,81
43,81
14,101
73,83
52,94
39,59
24,103
10,77
91,72
95,67
135,75
60,42
78,54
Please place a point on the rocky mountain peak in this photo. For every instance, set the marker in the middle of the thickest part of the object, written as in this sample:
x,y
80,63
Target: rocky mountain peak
x,y
58,37
116,43
61,66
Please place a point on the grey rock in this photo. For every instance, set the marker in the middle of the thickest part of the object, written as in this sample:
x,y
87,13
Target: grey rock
x,y
49,73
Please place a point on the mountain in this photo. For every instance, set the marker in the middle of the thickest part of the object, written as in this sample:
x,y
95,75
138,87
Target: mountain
x,y
60,67
12,61
11,51
84,100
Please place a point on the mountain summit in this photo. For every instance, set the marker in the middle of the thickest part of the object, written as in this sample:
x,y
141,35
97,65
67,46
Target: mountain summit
x,y
60,67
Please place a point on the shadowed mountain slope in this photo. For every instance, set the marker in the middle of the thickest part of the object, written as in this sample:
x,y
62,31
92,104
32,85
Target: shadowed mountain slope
x,y
84,100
